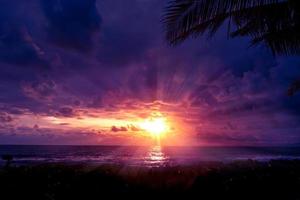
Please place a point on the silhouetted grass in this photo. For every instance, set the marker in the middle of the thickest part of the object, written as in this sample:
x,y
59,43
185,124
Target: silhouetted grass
x,y
237,180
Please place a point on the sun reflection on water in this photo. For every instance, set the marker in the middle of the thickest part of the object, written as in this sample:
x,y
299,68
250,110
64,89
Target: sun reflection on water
x,y
156,157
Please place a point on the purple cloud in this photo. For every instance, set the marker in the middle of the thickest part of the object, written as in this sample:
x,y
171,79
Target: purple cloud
x,y
63,59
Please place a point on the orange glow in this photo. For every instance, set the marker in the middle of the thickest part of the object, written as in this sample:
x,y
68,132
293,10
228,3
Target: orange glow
x,y
140,126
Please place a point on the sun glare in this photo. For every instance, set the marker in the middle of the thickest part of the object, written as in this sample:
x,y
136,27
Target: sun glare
x,y
155,126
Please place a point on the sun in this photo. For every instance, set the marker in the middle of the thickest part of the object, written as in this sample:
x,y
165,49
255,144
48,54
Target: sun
x,y
155,126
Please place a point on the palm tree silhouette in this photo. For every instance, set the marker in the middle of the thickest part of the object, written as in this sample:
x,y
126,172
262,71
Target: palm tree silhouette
x,y
275,23
294,87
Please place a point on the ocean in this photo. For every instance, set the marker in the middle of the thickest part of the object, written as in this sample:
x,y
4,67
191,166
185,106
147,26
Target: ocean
x,y
154,156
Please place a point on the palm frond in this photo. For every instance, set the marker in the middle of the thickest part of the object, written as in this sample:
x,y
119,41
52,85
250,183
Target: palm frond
x,y
294,87
273,22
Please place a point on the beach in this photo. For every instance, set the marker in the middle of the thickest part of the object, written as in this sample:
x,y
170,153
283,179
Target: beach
x,y
247,179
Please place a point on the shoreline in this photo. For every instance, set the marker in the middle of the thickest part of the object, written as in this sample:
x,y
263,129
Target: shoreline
x,y
238,180
37,162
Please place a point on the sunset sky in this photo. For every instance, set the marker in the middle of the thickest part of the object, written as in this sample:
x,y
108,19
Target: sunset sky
x,y
91,72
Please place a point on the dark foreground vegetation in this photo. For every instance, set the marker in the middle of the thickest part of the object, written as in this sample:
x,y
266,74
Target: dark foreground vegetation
x,y
237,180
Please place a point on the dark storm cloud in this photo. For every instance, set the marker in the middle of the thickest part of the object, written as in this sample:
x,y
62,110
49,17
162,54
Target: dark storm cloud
x,y
128,34
40,90
16,43
16,47
72,23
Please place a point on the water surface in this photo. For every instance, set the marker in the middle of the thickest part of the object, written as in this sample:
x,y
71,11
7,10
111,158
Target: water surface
x,y
154,156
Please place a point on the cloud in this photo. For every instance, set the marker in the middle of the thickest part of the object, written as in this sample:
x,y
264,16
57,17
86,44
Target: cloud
x,y
118,129
17,46
36,126
228,138
40,90
72,24
45,71
63,124
5,118
66,112
32,135
134,128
